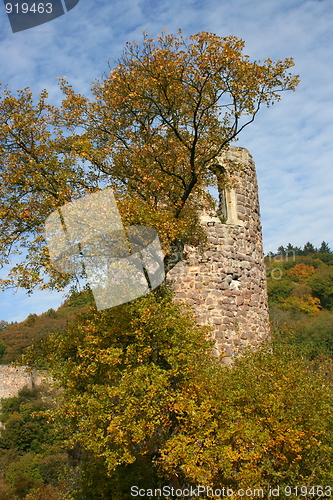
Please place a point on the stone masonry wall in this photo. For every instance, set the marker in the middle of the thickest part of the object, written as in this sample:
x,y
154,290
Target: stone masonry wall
x,y
14,378
226,285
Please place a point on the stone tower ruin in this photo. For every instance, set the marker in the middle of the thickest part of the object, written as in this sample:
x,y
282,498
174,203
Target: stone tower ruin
x,y
226,284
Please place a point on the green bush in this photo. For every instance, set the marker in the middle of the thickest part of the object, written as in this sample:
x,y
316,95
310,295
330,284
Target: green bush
x,y
278,289
24,474
322,286
2,351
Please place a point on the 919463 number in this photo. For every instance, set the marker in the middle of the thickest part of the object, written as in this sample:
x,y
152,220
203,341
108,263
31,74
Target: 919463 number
x,y
36,8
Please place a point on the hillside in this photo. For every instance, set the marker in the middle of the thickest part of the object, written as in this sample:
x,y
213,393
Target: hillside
x,y
300,293
281,400
16,337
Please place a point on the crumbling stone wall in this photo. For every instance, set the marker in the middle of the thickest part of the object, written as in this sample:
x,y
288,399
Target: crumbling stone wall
x,y
226,285
14,378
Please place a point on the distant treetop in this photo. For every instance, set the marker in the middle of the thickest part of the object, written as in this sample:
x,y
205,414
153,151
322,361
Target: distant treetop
x,y
308,249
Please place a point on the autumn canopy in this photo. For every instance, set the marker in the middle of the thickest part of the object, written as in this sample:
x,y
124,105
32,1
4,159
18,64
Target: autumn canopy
x,y
151,131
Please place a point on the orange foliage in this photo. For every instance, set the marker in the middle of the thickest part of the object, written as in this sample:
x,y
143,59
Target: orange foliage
x,y
301,272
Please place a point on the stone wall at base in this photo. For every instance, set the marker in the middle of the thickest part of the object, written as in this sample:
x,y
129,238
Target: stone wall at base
x,y
226,285
14,378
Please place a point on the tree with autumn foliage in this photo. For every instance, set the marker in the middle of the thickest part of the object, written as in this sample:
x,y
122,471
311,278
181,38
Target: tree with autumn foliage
x,y
125,374
144,404
153,132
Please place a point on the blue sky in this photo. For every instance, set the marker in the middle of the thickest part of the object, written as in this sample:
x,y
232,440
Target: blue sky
x,y
291,142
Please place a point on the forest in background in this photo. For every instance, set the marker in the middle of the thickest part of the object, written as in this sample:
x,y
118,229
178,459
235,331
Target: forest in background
x,y
38,461
300,295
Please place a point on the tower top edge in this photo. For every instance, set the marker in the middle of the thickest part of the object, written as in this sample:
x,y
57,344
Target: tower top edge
x,y
235,151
